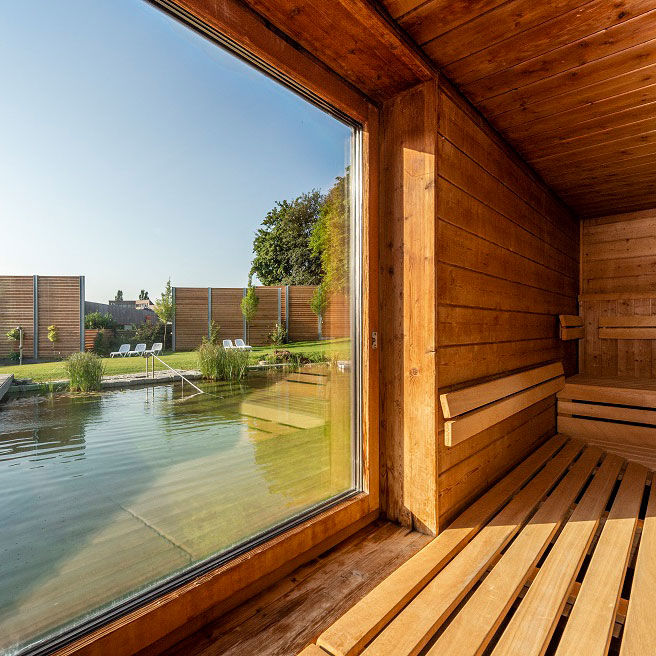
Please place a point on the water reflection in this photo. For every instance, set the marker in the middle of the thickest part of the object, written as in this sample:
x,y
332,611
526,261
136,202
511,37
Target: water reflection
x,y
105,494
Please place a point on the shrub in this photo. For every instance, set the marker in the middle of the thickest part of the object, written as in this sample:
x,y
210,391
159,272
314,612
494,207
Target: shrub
x,y
95,320
215,331
14,356
278,336
149,332
85,371
104,343
14,335
294,358
217,363
319,300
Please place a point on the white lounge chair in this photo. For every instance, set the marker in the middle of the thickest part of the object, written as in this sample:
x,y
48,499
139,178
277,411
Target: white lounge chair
x,y
240,344
123,350
155,350
139,349
227,344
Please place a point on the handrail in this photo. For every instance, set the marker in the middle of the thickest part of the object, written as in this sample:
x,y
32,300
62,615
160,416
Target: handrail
x,y
175,371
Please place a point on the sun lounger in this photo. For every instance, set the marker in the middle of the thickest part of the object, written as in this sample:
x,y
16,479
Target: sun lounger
x,y
227,344
139,349
155,350
123,350
240,344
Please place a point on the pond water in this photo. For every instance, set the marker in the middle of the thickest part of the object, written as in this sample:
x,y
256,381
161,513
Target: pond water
x,y
105,494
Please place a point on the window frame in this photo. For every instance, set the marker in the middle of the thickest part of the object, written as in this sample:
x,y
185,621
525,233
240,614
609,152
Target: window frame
x,y
165,617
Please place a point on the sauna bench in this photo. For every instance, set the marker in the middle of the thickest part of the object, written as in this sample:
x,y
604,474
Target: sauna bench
x,y
559,556
616,414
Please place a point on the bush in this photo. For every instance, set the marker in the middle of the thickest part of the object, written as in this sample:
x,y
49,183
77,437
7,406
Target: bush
x,y
85,371
149,333
104,343
95,320
217,363
278,336
295,358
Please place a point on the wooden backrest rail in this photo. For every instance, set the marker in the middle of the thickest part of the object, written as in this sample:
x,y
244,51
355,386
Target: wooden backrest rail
x,y
471,410
571,327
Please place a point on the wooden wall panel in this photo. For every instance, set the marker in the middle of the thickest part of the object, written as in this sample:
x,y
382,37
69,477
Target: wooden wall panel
x,y
336,321
59,305
507,266
16,309
267,315
190,317
226,311
618,278
303,323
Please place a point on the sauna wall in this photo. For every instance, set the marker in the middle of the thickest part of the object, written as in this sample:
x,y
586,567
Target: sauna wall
x,y
618,279
477,260
508,264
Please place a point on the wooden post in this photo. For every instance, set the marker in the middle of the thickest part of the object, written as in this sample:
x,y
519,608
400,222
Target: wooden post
x,y
35,316
408,303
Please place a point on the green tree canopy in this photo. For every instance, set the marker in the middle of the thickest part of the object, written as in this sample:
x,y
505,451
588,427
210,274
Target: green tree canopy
x,y
283,254
165,307
143,295
330,239
119,295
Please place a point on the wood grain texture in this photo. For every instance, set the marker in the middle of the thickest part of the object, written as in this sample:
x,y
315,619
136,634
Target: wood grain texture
x,y
618,272
564,81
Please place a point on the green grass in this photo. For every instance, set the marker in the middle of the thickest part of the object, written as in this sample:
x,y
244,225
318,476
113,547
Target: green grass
x,y
48,371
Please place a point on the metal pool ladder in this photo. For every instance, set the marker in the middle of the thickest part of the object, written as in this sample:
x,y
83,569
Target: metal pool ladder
x,y
175,371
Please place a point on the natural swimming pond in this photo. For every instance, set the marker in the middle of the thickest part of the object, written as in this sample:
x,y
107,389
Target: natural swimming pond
x,y
104,495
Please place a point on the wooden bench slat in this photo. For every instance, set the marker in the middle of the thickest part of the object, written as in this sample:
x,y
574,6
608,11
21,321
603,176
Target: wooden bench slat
x,y
639,636
349,634
475,624
464,400
463,427
640,416
627,333
532,625
415,625
590,625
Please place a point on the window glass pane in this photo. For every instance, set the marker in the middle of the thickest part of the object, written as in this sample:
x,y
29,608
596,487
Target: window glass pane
x,y
137,153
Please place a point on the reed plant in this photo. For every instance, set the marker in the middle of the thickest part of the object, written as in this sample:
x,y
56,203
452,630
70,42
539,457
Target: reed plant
x,y
218,363
85,371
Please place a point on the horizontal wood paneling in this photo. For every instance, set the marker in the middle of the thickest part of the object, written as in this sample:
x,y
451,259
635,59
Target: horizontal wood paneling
x,y
618,273
508,266
190,317
16,309
570,83
59,305
303,323
226,312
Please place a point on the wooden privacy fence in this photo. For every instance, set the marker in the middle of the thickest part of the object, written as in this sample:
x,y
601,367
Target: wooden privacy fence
x,y
36,302
289,306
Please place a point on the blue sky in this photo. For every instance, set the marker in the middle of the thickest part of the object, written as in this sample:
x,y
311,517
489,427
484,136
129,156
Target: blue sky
x,y
134,150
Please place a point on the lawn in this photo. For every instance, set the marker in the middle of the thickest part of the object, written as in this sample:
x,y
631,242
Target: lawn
x,y
47,371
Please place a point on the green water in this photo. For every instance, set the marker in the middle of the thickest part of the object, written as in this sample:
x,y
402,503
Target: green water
x,y
104,495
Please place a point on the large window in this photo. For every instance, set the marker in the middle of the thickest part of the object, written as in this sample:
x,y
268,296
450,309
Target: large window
x,y
157,189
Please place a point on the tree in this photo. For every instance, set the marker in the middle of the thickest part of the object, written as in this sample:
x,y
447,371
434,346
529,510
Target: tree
x,y
249,307
143,295
119,295
283,254
330,240
165,307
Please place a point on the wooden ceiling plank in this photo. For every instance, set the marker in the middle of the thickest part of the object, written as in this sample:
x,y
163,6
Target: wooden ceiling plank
x,y
617,127
604,42
584,171
431,19
370,53
398,8
620,146
560,31
493,26
556,124
579,77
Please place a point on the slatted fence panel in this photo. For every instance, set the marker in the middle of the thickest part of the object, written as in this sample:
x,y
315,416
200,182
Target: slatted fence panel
x,y
266,316
59,305
303,323
337,317
190,317
16,309
226,311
